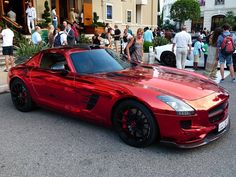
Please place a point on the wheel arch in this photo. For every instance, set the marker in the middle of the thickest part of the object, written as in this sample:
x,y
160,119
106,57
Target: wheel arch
x,y
118,102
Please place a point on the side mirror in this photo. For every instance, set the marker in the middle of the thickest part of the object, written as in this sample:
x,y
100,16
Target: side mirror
x,y
59,67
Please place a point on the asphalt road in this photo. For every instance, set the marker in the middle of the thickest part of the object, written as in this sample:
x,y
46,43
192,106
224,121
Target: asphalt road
x,y
46,144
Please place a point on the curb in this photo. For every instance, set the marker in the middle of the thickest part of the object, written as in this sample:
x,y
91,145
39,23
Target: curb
x,y
4,88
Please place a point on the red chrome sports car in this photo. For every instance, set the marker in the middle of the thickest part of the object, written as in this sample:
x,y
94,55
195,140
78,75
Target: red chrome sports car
x,y
144,103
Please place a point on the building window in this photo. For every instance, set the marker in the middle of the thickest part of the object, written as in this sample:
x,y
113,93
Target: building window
x,y
219,2
109,12
129,12
202,2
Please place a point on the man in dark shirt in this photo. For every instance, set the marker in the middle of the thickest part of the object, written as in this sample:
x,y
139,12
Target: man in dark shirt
x,y
117,34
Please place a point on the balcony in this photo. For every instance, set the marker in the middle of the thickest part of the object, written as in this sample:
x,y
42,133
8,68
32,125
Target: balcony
x,y
141,2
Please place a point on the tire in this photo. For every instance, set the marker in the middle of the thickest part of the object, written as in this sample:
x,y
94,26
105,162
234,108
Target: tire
x,y
20,96
168,59
135,124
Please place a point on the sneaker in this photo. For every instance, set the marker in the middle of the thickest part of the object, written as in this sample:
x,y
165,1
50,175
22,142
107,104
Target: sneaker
x,y
234,80
5,70
222,81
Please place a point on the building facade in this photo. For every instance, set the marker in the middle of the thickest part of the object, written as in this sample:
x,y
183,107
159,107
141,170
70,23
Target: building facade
x,y
212,13
135,13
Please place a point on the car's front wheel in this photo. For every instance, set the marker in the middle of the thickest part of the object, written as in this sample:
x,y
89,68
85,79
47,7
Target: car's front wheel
x,y
135,124
20,96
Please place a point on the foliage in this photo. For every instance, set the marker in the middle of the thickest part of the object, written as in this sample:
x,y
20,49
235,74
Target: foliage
x,y
27,49
46,15
42,24
146,46
159,41
95,21
230,18
168,25
83,39
1,23
183,10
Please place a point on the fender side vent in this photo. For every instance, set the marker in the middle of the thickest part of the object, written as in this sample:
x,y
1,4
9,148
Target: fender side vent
x,y
93,99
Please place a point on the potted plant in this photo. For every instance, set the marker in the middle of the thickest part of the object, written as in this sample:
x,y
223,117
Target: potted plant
x,y
97,26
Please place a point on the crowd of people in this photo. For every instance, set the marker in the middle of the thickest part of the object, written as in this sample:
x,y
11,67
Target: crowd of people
x,y
131,44
218,49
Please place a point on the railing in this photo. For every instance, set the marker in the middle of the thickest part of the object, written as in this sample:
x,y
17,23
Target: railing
x,y
15,25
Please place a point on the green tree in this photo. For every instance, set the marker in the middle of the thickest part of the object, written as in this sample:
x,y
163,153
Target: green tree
x,y
230,19
47,15
183,10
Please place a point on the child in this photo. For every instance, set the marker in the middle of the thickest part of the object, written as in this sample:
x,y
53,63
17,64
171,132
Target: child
x,y
197,52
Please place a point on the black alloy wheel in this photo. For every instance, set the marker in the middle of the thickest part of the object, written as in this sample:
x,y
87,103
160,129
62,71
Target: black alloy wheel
x,y
135,124
20,96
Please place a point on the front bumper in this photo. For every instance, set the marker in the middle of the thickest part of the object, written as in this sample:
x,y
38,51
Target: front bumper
x,y
212,136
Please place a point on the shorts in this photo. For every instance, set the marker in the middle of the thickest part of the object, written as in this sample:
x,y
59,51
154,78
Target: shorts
x,y
117,42
196,58
8,50
223,58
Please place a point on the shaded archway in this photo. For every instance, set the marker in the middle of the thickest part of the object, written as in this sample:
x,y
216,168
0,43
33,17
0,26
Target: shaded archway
x,y
216,21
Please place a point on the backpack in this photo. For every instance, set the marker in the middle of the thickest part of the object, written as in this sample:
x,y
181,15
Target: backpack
x,y
57,40
227,45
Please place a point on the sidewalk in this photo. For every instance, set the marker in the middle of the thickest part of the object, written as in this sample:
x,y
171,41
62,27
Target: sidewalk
x,y
3,82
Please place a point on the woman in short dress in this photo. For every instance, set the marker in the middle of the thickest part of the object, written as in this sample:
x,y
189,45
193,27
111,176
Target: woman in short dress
x,y
212,59
137,55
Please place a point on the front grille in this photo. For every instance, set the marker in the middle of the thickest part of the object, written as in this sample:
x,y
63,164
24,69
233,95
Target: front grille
x,y
217,113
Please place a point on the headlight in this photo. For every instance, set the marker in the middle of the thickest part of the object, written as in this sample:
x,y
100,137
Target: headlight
x,y
179,106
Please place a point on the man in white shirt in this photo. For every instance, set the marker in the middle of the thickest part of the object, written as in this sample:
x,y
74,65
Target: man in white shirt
x,y
183,43
36,37
7,46
31,17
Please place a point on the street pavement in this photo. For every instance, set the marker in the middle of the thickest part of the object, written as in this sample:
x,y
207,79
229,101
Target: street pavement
x,y
43,143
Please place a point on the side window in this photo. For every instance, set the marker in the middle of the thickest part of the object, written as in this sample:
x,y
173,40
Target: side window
x,y
51,59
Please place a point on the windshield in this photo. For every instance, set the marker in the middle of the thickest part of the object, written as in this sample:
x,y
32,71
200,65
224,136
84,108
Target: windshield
x,y
98,61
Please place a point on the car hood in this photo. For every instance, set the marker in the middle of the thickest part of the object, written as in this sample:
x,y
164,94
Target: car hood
x,y
180,83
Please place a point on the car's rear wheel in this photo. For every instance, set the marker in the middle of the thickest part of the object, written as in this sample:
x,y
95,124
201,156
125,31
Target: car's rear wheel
x,y
20,96
135,124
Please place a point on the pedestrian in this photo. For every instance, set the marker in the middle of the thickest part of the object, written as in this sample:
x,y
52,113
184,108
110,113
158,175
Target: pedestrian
x,y
205,53
96,39
129,30
117,34
31,17
230,40
73,16
212,59
74,28
7,46
183,43
108,37
147,35
70,36
60,37
54,17
36,37
134,49
12,15
51,34
197,50
125,39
